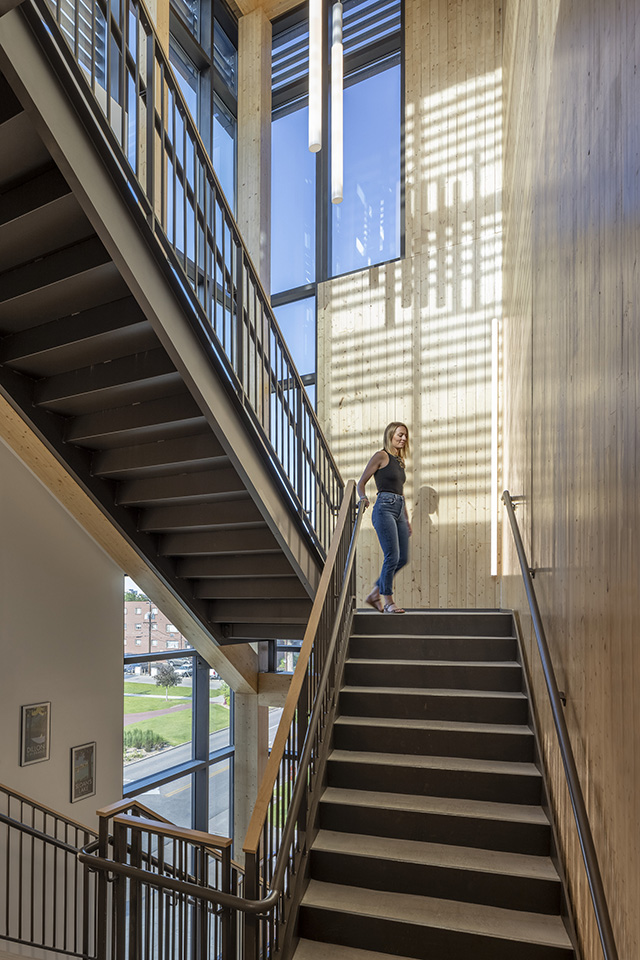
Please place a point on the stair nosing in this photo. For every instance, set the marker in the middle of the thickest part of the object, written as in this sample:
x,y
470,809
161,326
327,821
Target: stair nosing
x,y
516,695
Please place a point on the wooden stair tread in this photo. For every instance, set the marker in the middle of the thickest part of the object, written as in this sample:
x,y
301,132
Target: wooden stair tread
x,y
463,917
461,726
443,692
319,950
453,806
436,854
508,767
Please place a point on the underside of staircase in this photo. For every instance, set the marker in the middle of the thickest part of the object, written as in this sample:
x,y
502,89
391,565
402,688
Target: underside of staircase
x,y
103,366
432,838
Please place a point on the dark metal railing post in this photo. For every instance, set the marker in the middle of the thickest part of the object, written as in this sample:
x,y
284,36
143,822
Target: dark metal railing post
x,y
251,921
589,854
103,925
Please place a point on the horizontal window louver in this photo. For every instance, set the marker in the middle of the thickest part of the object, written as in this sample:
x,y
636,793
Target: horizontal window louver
x,y
366,23
290,57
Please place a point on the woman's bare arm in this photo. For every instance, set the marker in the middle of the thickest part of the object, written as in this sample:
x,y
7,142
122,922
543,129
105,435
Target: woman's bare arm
x,y
377,460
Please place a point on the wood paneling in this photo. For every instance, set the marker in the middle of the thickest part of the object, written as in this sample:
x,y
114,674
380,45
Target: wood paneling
x,y
571,344
411,340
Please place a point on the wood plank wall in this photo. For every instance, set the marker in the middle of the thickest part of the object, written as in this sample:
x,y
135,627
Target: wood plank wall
x,y
572,406
411,340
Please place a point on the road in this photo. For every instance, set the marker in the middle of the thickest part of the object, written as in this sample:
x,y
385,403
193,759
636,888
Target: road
x,y
173,800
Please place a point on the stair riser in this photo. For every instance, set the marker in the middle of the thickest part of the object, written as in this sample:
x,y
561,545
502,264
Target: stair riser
x,y
434,743
417,940
433,675
421,706
436,624
429,880
508,836
497,787
432,648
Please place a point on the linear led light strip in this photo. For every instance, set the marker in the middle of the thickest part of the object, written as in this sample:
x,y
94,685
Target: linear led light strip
x,y
315,91
315,75
336,105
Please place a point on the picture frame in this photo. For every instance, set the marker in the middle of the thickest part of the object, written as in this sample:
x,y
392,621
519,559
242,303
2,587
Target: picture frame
x,y
35,733
83,771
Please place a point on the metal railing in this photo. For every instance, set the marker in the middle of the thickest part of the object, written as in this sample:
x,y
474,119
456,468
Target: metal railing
x,y
113,51
157,868
276,838
159,888
49,899
585,837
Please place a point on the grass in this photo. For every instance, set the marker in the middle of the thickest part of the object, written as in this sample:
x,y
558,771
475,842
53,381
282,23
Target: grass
x,y
175,728
152,690
145,704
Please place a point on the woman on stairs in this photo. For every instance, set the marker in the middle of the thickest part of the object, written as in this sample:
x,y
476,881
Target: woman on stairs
x,y
390,517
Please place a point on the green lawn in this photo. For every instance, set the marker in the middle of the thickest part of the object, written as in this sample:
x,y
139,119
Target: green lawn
x,y
145,704
175,728
151,689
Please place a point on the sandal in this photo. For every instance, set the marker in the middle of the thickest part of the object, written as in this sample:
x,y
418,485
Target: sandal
x,y
392,608
374,601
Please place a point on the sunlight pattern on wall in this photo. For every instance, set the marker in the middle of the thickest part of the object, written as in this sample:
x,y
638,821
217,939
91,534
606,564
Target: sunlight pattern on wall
x,y
412,341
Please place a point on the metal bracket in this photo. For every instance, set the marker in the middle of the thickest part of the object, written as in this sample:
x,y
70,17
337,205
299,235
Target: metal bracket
x,y
563,697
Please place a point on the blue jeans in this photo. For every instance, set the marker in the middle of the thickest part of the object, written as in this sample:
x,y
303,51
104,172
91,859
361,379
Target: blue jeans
x,y
390,523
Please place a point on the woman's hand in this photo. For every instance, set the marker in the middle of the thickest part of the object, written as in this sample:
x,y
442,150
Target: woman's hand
x,y
364,501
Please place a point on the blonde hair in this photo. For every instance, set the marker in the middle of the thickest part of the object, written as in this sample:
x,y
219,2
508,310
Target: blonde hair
x,y
388,433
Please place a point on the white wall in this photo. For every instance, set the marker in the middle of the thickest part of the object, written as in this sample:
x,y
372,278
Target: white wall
x,y
61,630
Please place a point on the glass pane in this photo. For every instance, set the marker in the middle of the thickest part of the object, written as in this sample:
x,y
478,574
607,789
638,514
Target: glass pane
x,y
171,800
188,10
219,713
225,58
274,720
157,718
186,75
224,150
220,798
366,225
298,324
293,197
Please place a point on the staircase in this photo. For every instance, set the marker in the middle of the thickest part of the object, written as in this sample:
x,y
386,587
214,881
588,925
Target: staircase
x,y
109,360
432,838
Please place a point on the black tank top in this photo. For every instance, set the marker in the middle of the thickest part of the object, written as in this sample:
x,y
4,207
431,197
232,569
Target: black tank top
x,y
390,479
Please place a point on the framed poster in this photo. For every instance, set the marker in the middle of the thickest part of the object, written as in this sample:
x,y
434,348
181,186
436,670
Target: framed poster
x,y
35,733
83,771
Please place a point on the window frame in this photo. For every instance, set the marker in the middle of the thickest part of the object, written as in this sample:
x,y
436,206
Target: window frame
x,y
202,759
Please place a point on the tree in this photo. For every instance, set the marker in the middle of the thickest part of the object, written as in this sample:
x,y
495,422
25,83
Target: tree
x,y
167,677
135,595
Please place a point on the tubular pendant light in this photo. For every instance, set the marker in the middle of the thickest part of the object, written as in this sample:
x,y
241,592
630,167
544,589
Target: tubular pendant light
x,y
315,75
336,106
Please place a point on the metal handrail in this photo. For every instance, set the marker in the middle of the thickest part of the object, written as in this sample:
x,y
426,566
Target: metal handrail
x,y
55,916
585,836
154,146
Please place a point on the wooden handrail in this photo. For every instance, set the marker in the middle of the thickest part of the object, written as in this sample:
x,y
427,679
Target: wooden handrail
x,y
171,830
265,791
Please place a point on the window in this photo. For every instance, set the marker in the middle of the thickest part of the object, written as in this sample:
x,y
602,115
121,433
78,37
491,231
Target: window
x,y
138,626
179,761
138,610
313,240
203,51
